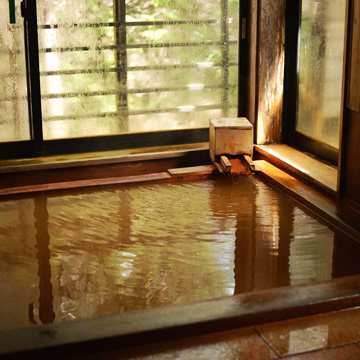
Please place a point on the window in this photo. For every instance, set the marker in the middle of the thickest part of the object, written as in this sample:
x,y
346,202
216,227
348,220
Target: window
x,y
14,120
316,73
117,67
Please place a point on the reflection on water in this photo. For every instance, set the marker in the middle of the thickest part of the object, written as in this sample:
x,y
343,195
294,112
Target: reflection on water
x,y
90,254
308,339
310,260
46,312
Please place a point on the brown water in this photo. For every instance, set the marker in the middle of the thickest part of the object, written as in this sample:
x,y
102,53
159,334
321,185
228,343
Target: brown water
x,y
85,255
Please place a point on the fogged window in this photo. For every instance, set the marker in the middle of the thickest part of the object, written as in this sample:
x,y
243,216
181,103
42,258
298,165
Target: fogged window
x,y
110,67
321,70
14,122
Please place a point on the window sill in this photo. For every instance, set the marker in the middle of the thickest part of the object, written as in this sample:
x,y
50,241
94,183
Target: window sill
x,y
99,158
300,165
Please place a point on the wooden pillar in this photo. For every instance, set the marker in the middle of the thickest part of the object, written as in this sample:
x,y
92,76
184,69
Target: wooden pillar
x,y
270,70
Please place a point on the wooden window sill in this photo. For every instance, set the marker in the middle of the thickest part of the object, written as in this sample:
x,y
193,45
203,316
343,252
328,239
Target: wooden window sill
x,y
301,165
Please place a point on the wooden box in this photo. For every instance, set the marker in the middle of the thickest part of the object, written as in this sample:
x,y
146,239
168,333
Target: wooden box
x,y
230,136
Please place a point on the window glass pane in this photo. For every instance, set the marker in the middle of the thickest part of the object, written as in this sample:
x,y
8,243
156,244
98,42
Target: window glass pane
x,y
320,70
14,120
173,120
121,66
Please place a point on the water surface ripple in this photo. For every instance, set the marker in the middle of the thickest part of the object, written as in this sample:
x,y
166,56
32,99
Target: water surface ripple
x,y
90,254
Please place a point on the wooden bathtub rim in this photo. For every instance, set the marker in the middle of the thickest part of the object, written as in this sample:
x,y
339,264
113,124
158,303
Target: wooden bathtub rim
x,y
14,174
324,207
136,328
199,172
108,157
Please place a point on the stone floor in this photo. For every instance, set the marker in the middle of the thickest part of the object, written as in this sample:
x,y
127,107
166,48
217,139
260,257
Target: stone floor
x,y
333,335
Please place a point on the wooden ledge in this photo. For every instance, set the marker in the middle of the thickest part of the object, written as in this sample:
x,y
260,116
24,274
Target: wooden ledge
x,y
300,165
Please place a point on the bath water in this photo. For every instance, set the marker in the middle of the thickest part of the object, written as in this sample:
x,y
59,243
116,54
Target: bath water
x,y
76,256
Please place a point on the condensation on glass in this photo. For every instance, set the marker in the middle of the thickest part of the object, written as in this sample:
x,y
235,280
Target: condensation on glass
x,y
121,66
14,118
320,70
